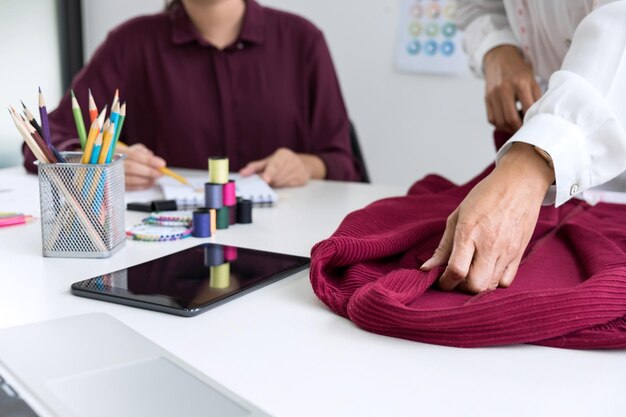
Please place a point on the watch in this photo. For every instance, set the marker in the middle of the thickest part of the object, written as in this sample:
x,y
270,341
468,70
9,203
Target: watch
x,y
545,155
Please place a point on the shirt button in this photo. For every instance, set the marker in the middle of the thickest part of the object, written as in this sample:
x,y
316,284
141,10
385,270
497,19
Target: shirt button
x,y
568,42
240,46
573,190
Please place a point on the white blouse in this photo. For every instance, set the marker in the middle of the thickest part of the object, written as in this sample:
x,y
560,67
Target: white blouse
x,y
580,47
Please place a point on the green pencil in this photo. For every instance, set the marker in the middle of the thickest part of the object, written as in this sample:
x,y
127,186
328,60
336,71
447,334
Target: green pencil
x,y
78,119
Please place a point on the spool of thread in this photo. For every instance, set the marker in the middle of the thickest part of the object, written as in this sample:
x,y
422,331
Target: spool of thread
x,y
213,213
232,214
244,211
223,218
230,253
213,195
218,170
213,255
201,223
220,276
230,193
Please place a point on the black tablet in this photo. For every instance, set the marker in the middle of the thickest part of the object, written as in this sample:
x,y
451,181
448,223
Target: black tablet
x,y
189,282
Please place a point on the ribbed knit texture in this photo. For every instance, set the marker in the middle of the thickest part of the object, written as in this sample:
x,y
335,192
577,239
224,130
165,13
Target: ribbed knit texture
x,y
570,290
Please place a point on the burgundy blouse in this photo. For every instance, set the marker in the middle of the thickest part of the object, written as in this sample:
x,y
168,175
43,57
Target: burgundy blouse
x,y
275,86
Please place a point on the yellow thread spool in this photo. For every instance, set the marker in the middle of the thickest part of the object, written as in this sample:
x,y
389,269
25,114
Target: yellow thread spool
x,y
218,170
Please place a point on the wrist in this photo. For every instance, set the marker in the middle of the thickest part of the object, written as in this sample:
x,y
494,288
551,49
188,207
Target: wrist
x,y
313,165
525,163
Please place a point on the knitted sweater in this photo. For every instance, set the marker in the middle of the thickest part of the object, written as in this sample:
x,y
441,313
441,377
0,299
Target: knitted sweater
x,y
570,289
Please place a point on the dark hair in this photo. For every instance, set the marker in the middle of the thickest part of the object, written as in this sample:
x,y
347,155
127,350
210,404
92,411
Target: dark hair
x,y
171,5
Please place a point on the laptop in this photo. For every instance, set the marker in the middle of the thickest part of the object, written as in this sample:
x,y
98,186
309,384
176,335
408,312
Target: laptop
x,y
93,365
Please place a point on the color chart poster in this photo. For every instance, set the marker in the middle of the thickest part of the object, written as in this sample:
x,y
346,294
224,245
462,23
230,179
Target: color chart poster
x,y
429,41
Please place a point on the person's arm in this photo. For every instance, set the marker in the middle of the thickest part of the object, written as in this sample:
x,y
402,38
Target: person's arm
x,y
580,122
494,53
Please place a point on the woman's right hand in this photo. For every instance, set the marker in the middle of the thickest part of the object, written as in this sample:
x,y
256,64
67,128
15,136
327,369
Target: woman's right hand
x,y
508,79
141,167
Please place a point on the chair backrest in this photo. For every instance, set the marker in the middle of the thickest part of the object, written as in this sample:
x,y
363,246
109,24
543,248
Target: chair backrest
x,y
358,154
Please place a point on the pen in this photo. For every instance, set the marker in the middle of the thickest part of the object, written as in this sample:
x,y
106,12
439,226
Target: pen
x,y
13,221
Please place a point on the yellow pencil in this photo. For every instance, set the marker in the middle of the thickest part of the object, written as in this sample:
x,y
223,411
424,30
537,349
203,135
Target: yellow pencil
x,y
91,139
107,140
164,170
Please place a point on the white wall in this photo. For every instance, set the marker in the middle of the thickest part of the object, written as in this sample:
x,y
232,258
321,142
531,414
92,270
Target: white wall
x,y
409,125
29,53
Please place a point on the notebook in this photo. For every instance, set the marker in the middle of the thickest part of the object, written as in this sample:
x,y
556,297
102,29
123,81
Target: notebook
x,y
251,188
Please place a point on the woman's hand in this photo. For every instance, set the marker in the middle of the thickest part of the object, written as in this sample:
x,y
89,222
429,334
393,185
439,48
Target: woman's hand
x,y
141,166
508,79
487,234
285,168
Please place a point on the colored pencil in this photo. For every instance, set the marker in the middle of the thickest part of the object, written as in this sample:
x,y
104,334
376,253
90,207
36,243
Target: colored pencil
x,y
107,141
12,221
78,120
116,98
103,114
94,131
93,109
115,119
28,139
40,142
118,128
43,116
31,119
95,155
164,170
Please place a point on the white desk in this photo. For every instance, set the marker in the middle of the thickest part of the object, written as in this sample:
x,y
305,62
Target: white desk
x,y
283,350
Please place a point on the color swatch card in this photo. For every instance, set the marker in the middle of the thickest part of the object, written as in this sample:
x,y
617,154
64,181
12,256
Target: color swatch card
x,y
429,42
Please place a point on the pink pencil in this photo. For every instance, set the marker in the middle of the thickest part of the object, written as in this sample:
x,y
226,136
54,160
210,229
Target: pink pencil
x,y
13,221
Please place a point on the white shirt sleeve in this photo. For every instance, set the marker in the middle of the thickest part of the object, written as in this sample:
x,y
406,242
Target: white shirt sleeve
x,y
580,120
485,26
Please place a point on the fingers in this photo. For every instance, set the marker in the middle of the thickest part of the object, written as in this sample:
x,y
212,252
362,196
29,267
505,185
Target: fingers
x,y
459,263
442,253
253,167
142,167
284,168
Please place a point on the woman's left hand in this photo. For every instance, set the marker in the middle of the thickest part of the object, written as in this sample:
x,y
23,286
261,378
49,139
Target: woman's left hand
x,y
285,168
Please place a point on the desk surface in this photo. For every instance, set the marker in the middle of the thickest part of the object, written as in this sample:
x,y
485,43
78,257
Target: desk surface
x,y
283,350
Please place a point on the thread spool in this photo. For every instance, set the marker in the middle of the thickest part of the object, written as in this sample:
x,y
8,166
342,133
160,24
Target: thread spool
x,y
244,211
220,276
213,255
218,170
232,214
230,193
201,223
223,218
213,195
213,214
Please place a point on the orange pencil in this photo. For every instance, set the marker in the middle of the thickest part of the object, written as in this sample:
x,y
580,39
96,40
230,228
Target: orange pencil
x,y
107,141
93,109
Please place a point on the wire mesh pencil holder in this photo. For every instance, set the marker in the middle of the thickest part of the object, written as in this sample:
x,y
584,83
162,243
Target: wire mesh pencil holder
x,y
82,208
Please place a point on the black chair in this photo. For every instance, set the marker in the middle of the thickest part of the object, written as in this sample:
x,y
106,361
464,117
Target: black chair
x,y
356,150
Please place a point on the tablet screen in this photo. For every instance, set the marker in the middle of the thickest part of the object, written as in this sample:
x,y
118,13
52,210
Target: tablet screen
x,y
192,280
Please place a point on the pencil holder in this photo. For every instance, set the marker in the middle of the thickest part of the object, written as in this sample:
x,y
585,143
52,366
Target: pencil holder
x,y
82,207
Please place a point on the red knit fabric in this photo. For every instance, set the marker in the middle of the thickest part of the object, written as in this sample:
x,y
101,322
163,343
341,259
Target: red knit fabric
x,y
570,290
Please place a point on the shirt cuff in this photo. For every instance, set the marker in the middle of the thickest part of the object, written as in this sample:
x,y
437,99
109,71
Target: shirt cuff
x,y
479,48
565,143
